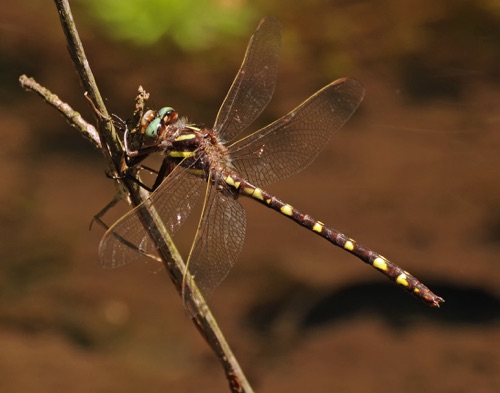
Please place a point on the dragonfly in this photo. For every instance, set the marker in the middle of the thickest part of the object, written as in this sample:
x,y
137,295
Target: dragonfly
x,y
212,165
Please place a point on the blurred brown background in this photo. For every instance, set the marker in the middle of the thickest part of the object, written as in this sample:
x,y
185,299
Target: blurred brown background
x,y
414,175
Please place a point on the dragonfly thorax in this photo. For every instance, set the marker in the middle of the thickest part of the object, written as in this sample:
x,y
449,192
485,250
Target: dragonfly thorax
x,y
198,149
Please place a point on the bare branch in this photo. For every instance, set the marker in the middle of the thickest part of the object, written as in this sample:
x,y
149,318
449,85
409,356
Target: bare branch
x,y
74,118
108,136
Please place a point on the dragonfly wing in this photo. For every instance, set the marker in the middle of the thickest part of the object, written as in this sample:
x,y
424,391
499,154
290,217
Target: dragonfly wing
x,y
254,84
292,142
218,242
127,239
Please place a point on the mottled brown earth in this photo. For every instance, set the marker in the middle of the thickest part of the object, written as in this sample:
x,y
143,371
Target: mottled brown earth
x,y
415,175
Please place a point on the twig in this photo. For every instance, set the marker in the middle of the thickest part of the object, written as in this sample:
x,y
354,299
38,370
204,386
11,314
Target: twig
x,y
111,147
74,118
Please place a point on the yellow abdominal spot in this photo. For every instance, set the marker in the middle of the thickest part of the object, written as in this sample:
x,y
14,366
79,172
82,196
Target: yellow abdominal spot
x,y
401,280
287,210
318,227
231,182
253,192
257,194
380,264
349,245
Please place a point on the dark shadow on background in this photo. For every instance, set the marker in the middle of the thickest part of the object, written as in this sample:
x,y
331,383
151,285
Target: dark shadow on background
x,y
309,308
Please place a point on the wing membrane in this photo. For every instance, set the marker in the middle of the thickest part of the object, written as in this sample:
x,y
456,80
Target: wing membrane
x,y
219,240
173,201
292,142
254,84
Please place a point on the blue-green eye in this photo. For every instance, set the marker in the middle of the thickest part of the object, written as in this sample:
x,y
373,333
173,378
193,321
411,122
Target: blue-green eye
x,y
165,111
168,115
153,128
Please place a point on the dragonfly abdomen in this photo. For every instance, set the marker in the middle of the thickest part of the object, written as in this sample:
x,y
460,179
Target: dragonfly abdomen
x,y
370,257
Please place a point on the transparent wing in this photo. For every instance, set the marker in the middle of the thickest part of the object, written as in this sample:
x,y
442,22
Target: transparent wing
x,y
254,84
292,142
127,239
218,242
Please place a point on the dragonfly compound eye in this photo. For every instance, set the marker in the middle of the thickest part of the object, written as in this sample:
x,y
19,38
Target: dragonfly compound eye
x,y
168,115
146,119
153,130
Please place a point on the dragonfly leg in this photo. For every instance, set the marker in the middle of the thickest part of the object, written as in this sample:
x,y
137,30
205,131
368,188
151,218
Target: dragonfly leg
x,y
97,217
166,168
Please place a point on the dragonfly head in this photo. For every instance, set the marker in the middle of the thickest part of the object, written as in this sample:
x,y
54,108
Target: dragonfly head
x,y
151,128
154,124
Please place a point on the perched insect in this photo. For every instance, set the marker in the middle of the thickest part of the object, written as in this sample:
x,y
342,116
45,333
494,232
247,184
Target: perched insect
x,y
208,161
